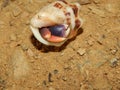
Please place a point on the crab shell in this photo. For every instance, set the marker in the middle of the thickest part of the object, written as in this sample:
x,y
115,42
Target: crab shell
x,y
57,13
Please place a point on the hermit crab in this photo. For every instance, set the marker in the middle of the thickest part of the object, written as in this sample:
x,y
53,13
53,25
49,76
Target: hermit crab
x,y
57,22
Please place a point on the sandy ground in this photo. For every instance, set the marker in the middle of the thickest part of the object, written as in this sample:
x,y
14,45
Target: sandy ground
x,y
91,61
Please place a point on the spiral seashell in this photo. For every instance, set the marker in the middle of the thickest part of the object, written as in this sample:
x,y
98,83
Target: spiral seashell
x,y
56,23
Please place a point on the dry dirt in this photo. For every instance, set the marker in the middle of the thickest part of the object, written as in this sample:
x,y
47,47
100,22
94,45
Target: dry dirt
x,y
91,61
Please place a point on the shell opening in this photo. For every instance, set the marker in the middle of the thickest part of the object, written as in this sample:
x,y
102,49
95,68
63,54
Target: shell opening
x,y
55,33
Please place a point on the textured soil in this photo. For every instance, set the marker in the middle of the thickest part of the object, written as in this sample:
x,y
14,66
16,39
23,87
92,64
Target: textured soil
x,y
90,61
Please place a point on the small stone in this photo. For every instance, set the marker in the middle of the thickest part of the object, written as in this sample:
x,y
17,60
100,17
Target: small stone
x,y
30,52
11,23
86,87
99,38
24,47
114,62
51,88
84,2
27,22
100,41
49,1
62,53
44,83
64,78
90,41
55,71
50,77
2,84
81,51
13,37
117,72
96,1
16,11
36,56
114,51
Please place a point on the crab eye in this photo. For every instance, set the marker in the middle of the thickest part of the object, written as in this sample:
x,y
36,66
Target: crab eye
x,y
58,30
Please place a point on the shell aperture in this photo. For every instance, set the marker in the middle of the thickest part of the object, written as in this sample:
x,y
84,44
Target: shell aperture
x,y
53,32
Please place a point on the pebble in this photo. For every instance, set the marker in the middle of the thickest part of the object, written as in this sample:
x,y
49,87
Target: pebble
x,y
16,11
12,23
50,77
81,51
86,87
2,86
30,52
50,1
90,42
13,37
64,78
100,38
62,53
118,72
96,1
24,47
114,62
56,71
27,22
37,56
114,51
51,88
84,2
100,41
